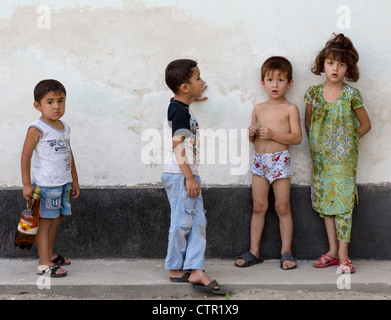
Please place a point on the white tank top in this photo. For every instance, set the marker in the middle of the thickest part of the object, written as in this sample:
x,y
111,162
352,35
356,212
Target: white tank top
x,y
52,155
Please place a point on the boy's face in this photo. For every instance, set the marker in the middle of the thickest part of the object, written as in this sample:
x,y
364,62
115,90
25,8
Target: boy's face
x,y
52,106
276,84
194,87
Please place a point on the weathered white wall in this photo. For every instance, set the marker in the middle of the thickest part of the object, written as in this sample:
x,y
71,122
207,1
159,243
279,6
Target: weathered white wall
x,y
111,57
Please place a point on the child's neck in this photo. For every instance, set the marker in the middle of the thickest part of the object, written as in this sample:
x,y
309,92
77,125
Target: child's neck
x,y
54,123
332,90
330,85
279,100
184,99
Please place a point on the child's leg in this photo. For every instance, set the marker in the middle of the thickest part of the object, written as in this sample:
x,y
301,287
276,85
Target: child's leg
x,y
282,189
42,240
329,223
52,237
179,224
43,244
260,194
343,224
196,238
331,236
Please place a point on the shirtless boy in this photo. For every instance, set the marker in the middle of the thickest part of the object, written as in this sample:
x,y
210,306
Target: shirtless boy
x,y
275,125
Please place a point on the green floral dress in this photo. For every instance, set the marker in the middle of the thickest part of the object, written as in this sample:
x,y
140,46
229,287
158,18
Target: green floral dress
x,y
334,139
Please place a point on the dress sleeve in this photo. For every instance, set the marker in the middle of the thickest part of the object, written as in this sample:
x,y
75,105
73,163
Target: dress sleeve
x,y
309,95
357,99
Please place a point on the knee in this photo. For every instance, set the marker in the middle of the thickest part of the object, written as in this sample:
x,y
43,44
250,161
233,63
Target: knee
x,y
283,208
45,224
260,207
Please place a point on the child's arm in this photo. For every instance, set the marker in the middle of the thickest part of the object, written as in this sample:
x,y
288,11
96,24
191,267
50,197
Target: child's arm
x,y
193,189
308,113
291,138
365,122
75,179
252,129
31,140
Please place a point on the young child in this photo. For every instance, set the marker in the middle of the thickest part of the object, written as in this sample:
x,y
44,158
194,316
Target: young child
x,y
187,235
54,172
275,125
335,119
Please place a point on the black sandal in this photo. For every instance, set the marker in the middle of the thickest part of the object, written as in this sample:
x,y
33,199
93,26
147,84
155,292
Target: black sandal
x,y
287,256
210,288
249,260
51,271
60,260
184,278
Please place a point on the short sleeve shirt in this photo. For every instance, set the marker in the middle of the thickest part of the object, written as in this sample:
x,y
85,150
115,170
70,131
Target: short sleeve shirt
x,y
181,122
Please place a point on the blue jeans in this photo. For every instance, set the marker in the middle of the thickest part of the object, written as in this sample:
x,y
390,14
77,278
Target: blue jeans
x,y
187,235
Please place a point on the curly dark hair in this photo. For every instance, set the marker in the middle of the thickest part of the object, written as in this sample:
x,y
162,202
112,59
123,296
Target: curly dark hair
x,y
340,48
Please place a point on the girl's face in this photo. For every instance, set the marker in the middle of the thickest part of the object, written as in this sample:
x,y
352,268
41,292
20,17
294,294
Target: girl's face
x,y
335,70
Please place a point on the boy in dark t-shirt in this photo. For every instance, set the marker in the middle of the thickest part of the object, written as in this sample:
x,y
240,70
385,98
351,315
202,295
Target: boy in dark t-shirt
x,y
187,235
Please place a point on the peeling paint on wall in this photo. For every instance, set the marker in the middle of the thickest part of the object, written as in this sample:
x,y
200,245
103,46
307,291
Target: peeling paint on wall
x,y
111,57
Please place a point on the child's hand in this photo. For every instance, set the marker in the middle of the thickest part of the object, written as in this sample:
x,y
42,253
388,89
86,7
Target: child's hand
x,y
75,190
201,98
193,189
28,192
252,130
266,133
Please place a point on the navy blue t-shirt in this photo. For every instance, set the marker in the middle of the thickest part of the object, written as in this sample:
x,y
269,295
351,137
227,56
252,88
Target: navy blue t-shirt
x,y
179,116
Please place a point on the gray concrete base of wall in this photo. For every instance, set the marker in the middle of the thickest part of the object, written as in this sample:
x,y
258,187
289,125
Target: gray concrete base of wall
x,y
134,223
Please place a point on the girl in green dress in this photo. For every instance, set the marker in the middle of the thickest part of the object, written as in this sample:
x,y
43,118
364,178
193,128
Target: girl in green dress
x,y
335,120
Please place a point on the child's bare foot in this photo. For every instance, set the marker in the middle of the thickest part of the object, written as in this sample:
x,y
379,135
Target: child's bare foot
x,y
201,282
199,277
287,262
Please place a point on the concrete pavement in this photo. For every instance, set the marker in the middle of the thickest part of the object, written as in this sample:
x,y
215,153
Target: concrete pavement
x,y
147,279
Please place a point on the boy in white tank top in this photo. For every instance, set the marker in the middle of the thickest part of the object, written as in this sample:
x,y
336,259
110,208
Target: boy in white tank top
x,y
54,171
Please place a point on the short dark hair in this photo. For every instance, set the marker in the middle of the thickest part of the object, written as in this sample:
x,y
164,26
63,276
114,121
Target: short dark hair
x,y
277,63
179,72
45,86
339,48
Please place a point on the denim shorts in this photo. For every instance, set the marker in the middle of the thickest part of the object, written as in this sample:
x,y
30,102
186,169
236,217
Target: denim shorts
x,y
55,201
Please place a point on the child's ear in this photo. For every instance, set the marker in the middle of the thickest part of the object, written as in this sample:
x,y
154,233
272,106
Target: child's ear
x,y
290,84
37,106
184,88
263,83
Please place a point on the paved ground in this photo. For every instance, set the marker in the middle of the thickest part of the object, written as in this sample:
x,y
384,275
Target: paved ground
x,y
147,279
